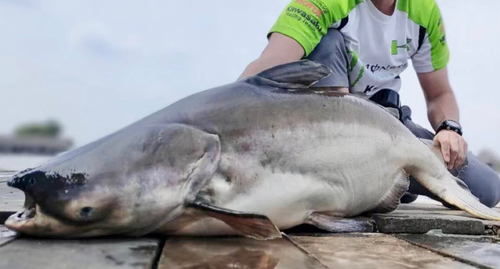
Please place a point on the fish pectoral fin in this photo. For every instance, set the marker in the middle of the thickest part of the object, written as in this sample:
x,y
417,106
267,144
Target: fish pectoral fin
x,y
334,224
391,199
250,225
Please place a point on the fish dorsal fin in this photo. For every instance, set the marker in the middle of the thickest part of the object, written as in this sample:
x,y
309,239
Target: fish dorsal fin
x,y
295,75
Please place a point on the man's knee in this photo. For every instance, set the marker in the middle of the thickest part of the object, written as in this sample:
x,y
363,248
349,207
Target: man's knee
x,y
333,40
483,182
332,52
331,46
490,196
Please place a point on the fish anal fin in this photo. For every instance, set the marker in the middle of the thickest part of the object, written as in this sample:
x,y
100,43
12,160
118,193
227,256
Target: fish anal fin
x,y
334,224
248,224
391,200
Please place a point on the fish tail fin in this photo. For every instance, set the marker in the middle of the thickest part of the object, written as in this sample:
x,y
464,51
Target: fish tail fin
x,y
429,171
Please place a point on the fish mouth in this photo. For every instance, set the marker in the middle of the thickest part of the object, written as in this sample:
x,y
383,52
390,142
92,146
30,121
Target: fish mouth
x,y
26,215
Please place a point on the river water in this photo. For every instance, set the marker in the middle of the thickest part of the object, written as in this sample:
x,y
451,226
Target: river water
x,y
16,162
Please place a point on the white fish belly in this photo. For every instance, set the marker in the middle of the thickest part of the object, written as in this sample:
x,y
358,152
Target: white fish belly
x,y
329,168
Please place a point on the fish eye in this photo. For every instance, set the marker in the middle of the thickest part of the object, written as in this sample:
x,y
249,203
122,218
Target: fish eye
x,y
86,212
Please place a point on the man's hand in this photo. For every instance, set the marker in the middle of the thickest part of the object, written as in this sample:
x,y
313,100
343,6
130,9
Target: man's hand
x,y
441,105
453,147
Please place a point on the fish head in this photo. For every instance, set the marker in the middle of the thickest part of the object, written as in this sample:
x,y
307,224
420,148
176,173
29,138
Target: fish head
x,y
58,203
126,184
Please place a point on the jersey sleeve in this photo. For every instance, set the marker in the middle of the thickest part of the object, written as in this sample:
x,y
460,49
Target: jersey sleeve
x,y
306,21
433,53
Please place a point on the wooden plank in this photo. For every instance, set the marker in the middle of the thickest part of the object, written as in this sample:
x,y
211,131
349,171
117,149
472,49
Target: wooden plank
x,y
5,176
426,208
11,199
234,253
481,251
421,218
372,251
79,254
421,224
6,235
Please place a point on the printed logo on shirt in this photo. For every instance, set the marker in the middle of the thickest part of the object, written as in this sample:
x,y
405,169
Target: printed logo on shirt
x,y
318,12
320,5
395,47
309,20
384,68
370,88
441,24
443,31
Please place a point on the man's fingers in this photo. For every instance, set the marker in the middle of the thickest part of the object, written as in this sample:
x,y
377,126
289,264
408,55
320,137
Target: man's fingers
x,y
463,153
455,152
453,148
445,150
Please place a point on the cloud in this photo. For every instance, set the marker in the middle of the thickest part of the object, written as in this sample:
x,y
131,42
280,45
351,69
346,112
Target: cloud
x,y
98,40
20,3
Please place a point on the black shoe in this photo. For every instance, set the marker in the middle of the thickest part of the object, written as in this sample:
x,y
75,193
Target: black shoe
x,y
408,198
452,207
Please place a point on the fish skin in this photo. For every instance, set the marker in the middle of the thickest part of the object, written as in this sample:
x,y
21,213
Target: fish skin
x,y
276,148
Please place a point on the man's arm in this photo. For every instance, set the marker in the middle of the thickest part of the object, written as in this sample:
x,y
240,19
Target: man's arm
x,y
297,32
441,102
281,49
442,105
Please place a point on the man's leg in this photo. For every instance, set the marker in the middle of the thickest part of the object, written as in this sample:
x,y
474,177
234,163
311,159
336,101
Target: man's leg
x,y
331,51
482,181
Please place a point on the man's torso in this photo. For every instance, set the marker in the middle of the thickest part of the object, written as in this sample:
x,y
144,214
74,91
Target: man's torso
x,y
379,45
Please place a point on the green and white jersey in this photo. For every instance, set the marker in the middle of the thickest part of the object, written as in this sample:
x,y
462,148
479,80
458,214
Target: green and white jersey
x,y
379,45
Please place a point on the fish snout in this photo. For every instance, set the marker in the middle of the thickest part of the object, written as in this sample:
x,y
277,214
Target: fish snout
x,y
21,182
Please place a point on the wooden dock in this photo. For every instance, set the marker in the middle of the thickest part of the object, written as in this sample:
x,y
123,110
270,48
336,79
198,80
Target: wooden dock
x,y
414,236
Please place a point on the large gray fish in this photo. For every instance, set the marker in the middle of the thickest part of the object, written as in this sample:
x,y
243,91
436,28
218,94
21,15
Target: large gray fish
x,y
251,157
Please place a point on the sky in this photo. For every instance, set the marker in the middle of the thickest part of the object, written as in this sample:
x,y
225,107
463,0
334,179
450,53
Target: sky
x,y
97,66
